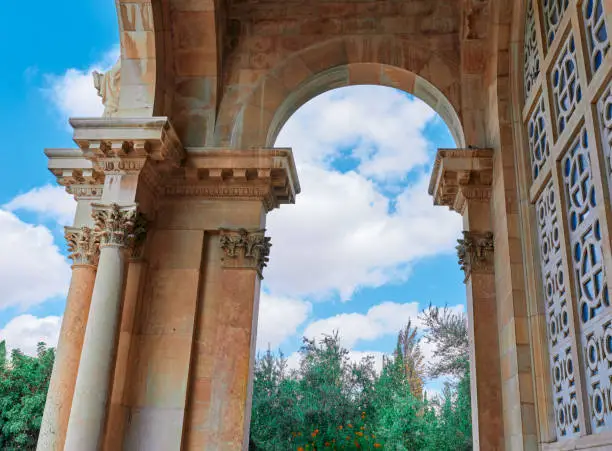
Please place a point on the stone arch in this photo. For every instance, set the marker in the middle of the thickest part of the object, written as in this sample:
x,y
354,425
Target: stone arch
x,y
430,75
366,74
141,57
171,55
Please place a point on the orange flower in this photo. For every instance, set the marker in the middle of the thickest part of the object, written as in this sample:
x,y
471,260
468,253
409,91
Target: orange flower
x,y
327,444
359,434
350,425
362,428
377,445
300,449
340,427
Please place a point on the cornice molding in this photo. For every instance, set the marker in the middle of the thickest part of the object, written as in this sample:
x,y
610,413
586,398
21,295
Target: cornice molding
x,y
460,175
110,139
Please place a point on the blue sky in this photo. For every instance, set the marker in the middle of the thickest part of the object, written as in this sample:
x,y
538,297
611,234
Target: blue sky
x,y
363,250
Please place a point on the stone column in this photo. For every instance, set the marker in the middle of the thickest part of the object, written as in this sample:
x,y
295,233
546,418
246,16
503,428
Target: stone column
x,y
83,249
114,228
462,180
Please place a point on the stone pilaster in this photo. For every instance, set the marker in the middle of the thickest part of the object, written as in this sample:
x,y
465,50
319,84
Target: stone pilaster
x,y
84,252
114,229
462,181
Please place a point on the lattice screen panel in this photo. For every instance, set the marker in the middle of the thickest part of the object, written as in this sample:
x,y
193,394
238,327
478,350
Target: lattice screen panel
x,y
567,83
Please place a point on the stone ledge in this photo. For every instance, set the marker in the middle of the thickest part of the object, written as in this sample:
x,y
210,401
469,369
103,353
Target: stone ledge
x,y
262,174
461,174
101,138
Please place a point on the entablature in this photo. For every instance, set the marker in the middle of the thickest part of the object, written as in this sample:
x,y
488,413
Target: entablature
x,y
461,174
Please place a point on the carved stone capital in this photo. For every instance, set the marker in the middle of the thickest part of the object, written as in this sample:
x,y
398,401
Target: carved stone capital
x,y
116,225
244,248
475,252
83,246
461,175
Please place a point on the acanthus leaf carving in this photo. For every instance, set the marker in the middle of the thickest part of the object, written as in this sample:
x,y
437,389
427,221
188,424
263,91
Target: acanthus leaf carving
x,y
83,246
115,225
244,248
475,252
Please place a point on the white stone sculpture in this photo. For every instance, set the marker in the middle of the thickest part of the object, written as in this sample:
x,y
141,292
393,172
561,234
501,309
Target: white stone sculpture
x,y
107,84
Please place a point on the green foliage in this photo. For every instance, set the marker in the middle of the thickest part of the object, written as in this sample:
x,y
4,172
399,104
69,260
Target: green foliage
x,y
447,330
24,381
331,403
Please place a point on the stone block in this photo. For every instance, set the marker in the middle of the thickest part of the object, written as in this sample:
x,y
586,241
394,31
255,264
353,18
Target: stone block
x,y
155,429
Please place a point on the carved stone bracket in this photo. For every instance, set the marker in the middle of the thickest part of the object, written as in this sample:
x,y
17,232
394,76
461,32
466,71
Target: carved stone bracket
x,y
83,246
116,225
475,252
244,248
460,175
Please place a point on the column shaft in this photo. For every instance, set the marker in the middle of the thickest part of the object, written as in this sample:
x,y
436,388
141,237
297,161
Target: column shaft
x,y
63,378
89,406
485,371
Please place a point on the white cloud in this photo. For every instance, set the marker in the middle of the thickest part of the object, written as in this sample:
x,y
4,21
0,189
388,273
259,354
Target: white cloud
x,y
279,318
50,202
382,126
73,93
32,268
342,234
383,319
26,331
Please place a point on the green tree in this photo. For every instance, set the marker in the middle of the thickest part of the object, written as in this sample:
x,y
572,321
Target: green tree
x,y
331,403
447,330
409,351
24,381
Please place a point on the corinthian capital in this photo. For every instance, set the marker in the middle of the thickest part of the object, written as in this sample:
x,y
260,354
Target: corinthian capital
x,y
475,252
244,248
82,245
115,225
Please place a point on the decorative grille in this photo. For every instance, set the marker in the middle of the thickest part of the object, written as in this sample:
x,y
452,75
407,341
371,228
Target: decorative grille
x,y
558,319
572,221
538,140
532,56
566,89
596,33
592,298
553,12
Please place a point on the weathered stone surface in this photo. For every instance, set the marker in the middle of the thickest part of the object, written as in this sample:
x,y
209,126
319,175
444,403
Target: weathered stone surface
x,y
179,333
